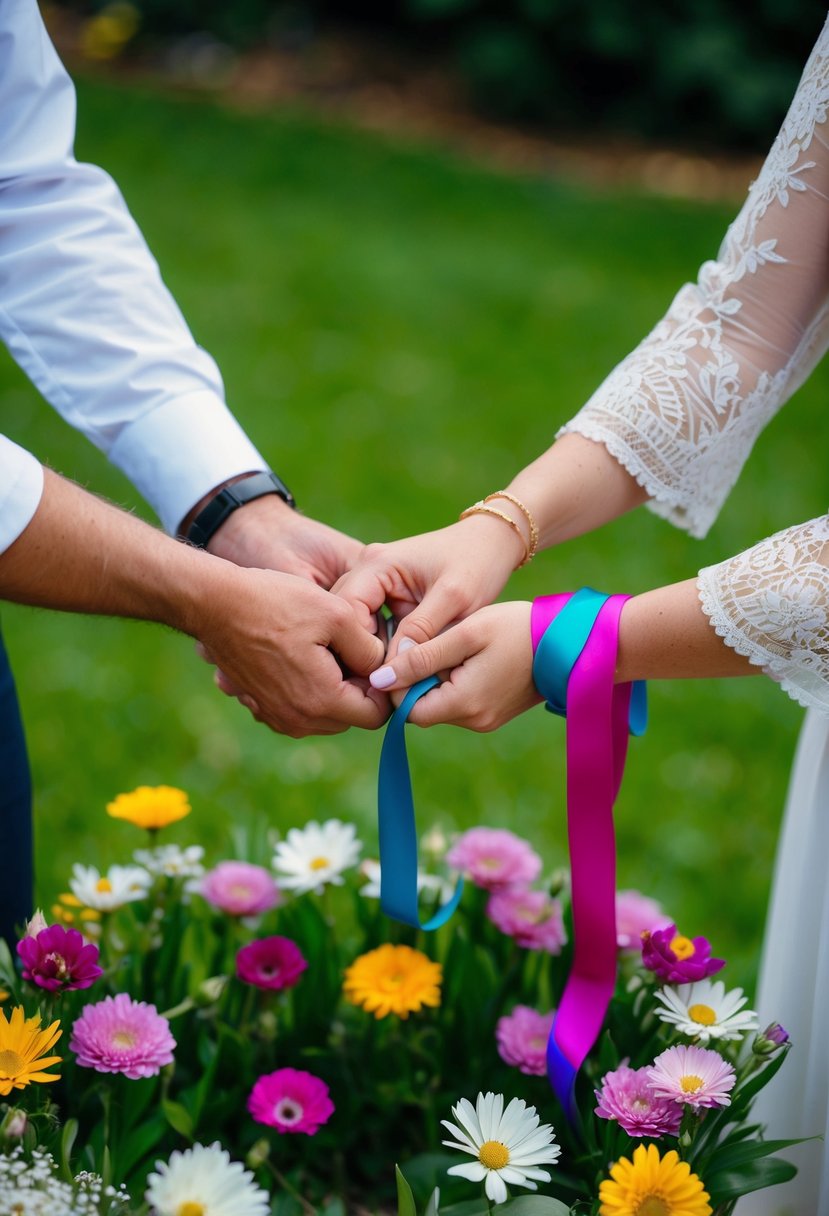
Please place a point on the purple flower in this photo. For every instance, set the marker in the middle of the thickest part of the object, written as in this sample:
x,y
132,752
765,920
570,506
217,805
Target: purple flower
x,y
628,1097
677,959
270,962
58,958
770,1040
291,1101
522,1039
493,858
533,918
122,1035
636,914
240,889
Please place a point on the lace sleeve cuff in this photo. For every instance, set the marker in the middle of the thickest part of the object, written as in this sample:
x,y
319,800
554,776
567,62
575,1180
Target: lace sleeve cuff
x,y
771,605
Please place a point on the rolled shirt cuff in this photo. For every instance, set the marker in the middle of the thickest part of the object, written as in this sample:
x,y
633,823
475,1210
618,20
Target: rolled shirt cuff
x,y
21,488
178,452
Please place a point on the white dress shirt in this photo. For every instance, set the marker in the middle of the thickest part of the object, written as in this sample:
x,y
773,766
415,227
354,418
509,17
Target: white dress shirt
x,y
83,308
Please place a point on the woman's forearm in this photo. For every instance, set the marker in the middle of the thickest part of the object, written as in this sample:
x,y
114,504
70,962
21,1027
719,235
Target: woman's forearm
x,y
665,635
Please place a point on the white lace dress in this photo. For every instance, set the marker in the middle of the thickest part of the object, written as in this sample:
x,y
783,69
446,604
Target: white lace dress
x,y
681,413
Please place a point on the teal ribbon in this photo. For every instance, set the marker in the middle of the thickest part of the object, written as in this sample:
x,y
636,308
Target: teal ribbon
x,y
397,827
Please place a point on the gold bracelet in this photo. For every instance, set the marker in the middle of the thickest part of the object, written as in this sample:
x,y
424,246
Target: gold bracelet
x,y
481,508
532,547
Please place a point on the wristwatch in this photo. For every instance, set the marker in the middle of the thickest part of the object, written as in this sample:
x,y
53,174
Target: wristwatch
x,y
225,502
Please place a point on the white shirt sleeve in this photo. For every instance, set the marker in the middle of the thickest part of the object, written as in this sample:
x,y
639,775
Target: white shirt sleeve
x,y
83,308
21,486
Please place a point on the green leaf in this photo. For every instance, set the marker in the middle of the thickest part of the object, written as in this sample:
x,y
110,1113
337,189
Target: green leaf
x,y
405,1198
334,1207
140,1141
750,1176
469,1207
178,1117
533,1205
432,1208
748,1092
67,1143
732,1155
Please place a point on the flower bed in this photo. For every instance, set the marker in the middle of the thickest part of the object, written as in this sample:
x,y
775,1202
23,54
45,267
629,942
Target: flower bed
x,y
258,1038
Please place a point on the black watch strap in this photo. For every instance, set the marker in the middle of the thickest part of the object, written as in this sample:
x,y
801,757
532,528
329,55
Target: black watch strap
x,y
225,502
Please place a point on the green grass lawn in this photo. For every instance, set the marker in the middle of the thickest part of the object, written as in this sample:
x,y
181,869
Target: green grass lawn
x,y
399,331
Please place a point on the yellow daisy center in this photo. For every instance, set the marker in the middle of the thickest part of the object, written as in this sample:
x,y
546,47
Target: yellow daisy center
x,y
190,1208
653,1205
682,947
318,863
123,1038
10,1063
704,1015
103,885
691,1083
493,1154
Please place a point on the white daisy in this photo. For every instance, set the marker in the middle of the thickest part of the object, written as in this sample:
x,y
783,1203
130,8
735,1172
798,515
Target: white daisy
x,y
172,860
315,855
432,883
203,1181
508,1145
705,1010
105,892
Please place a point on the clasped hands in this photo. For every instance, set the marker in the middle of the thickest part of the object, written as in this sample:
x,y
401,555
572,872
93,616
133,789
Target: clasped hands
x,y
294,630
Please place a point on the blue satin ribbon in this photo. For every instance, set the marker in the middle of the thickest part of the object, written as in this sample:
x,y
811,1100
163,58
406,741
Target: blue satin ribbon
x,y
397,827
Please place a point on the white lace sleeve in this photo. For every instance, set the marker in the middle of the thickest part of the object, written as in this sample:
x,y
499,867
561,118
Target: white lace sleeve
x,y
682,411
771,604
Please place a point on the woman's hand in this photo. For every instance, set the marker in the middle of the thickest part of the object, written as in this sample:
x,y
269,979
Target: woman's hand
x,y
488,658
434,579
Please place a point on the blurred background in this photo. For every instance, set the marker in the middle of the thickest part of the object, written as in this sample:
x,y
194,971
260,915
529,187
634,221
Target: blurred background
x,y
416,237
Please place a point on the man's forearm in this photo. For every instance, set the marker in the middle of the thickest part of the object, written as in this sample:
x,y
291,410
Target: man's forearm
x,y
81,554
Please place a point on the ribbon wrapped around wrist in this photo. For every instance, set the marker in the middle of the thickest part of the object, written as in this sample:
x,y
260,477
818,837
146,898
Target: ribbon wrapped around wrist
x,y
575,642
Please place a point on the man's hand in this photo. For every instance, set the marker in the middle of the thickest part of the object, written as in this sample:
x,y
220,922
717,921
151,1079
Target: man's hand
x,y
272,635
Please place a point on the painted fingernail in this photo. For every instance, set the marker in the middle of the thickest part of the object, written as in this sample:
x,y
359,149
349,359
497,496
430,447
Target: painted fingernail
x,y
383,677
406,644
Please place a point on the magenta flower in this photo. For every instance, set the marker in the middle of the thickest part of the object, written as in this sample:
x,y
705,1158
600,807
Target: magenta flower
x,y
677,959
692,1076
240,889
533,918
522,1039
493,858
628,1097
122,1035
270,962
291,1101
58,958
636,914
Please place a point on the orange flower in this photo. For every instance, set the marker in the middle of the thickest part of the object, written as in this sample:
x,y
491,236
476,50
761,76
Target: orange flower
x,y
393,979
150,807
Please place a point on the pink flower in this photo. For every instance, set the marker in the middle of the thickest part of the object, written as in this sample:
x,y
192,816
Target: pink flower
x,y
122,1035
636,914
240,889
270,962
291,1101
628,1097
58,958
692,1076
533,918
522,1039
494,858
677,959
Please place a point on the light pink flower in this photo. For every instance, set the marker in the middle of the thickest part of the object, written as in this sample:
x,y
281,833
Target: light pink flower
x,y
533,918
291,1101
494,858
693,1076
271,962
119,1034
240,889
628,1097
522,1039
636,914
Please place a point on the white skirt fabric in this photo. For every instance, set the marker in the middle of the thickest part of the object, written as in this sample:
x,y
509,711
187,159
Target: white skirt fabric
x,y
794,984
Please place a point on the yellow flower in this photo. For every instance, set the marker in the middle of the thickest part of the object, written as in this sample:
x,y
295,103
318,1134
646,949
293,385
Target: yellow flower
x,y
22,1050
150,807
69,908
653,1186
4,995
393,979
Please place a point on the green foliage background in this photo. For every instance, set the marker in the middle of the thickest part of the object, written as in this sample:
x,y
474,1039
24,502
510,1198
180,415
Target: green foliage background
x,y
399,331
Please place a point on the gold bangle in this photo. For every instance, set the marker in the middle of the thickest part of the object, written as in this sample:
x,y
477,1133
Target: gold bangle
x,y
481,508
532,547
